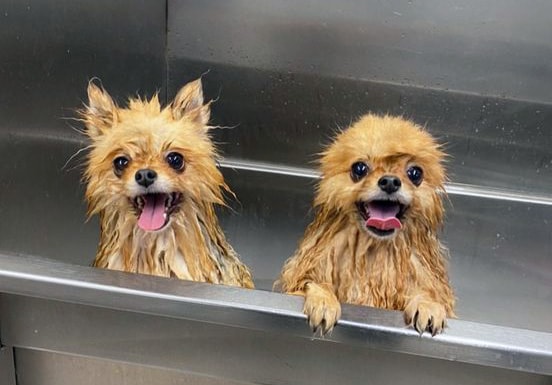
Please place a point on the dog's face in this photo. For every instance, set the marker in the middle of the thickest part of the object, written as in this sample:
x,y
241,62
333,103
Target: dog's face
x,y
145,161
385,173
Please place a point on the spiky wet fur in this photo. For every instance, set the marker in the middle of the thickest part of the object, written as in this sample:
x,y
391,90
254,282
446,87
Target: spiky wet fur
x,y
192,246
339,261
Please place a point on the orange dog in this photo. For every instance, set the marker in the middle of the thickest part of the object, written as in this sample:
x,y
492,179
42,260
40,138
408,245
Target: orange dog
x,y
374,238
152,177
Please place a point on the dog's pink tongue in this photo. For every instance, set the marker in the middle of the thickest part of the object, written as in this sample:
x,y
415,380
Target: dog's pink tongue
x,y
153,213
383,217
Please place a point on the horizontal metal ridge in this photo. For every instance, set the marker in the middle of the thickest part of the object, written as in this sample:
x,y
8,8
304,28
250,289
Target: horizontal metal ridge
x,y
463,341
451,188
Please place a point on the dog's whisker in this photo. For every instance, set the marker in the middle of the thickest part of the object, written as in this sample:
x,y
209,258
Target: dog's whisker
x,y
79,151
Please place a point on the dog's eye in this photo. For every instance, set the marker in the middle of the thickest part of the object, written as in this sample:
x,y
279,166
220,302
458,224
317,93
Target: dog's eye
x,y
415,174
175,160
119,164
359,171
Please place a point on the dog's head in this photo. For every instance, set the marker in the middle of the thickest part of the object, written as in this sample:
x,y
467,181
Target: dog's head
x,y
146,160
386,174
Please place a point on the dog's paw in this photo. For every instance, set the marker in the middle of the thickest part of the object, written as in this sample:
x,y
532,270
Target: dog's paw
x,y
425,315
322,308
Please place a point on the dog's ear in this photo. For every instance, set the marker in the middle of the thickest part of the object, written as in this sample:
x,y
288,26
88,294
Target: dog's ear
x,y
100,113
189,103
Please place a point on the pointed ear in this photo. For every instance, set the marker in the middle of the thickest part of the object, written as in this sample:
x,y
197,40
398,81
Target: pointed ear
x,y
189,103
100,113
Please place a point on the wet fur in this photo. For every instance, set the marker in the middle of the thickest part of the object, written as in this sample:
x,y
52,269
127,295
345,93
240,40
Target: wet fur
x,y
339,261
192,246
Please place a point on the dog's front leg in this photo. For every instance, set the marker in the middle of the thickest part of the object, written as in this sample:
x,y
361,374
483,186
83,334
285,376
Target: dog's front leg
x,y
425,314
322,307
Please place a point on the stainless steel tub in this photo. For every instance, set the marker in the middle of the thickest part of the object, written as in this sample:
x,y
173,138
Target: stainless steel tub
x,y
63,322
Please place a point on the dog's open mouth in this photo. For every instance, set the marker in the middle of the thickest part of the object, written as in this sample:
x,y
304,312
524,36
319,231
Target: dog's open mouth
x,y
382,217
154,210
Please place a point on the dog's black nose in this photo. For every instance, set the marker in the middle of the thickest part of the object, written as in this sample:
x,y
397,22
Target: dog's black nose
x,y
389,183
145,177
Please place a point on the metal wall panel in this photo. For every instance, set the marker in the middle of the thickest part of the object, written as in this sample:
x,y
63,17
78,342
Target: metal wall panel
x,y
7,370
288,74
50,49
225,352
44,368
491,47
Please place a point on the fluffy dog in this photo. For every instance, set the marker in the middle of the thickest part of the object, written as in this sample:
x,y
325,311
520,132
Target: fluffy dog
x,y
374,240
152,178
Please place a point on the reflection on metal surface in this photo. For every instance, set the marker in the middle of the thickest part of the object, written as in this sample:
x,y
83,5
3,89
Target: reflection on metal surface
x,y
288,118
51,49
240,354
451,188
35,368
253,310
483,48
7,366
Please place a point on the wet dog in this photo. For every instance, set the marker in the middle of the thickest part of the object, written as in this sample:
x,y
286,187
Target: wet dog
x,y
152,178
374,240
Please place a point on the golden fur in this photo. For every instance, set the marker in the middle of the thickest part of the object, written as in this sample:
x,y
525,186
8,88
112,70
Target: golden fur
x,y
339,260
192,245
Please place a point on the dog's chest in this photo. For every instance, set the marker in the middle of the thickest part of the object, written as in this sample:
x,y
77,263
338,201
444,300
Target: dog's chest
x,y
158,255
377,280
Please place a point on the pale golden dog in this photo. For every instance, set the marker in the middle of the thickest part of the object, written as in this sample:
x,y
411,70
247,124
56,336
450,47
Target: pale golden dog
x,y
152,178
374,240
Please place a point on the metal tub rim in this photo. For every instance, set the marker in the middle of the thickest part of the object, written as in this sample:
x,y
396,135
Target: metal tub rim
x,y
464,341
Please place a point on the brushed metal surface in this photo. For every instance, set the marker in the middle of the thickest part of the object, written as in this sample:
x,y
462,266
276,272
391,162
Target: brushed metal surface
x,y
7,370
288,118
490,47
288,74
24,319
241,354
51,49
45,368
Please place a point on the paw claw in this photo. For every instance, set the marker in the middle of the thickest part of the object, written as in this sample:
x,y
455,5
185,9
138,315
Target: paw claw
x,y
322,309
425,316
